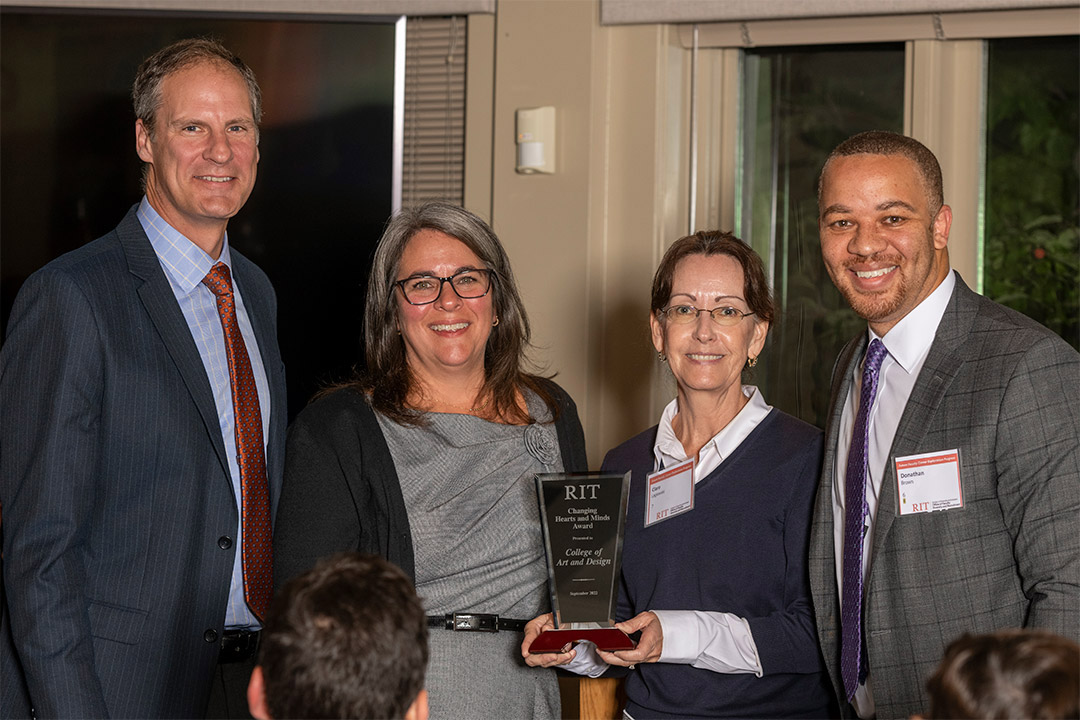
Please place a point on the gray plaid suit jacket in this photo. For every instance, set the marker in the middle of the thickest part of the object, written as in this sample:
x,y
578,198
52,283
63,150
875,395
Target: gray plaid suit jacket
x,y
1006,392
118,507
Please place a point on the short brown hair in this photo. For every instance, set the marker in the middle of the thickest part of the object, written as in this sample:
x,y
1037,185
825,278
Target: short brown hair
x,y
146,90
347,639
882,142
1007,674
715,242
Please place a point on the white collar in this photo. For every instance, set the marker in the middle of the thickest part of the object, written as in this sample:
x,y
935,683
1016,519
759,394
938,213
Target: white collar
x,y
668,451
909,340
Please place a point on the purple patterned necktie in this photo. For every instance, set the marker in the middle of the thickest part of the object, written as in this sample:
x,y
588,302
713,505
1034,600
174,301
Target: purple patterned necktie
x,y
853,666
257,556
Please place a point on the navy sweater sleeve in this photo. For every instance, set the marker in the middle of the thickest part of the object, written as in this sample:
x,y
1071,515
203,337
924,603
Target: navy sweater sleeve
x,y
786,640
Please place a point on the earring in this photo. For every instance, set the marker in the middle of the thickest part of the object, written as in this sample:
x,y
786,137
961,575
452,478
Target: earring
x,y
661,356
751,362
496,322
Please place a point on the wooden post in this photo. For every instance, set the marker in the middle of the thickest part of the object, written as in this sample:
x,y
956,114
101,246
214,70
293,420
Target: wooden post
x,y
601,698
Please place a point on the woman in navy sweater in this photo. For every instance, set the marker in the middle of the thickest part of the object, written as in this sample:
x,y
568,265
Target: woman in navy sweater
x,y
718,589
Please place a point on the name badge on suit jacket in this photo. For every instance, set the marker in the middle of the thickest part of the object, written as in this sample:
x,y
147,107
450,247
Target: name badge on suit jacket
x,y
929,482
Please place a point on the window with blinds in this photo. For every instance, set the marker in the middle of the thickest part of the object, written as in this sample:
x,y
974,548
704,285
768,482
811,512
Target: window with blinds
x,y
433,152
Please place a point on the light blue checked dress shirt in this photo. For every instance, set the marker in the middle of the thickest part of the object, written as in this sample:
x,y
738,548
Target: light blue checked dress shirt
x,y
185,266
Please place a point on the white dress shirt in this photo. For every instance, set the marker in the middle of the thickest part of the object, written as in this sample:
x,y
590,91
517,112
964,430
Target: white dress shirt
x,y
716,641
907,343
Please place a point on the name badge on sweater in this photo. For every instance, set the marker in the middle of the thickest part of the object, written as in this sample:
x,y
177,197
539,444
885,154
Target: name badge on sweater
x,y
929,482
670,492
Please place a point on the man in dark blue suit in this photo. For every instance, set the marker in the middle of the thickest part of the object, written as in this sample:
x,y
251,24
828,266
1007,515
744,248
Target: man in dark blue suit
x,y
142,433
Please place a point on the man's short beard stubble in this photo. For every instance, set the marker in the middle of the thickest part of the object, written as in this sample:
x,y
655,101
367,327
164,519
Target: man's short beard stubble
x,y
879,305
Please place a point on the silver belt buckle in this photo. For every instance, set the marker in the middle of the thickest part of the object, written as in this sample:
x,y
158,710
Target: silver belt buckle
x,y
475,622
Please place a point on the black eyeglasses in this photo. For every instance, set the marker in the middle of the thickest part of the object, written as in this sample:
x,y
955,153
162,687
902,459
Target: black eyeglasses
x,y
424,289
686,314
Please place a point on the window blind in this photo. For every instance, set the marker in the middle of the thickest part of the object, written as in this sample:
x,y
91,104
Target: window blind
x,y
433,150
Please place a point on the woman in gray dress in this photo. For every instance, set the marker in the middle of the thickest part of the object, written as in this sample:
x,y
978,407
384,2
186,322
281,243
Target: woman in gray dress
x,y
428,459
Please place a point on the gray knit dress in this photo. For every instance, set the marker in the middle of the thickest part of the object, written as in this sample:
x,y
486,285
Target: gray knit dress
x,y
468,486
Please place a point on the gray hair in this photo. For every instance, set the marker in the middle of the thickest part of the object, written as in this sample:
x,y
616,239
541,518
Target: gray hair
x,y
388,378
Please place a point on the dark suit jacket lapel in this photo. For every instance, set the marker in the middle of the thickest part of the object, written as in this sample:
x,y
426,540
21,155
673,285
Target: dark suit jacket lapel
x,y
942,364
841,385
823,551
157,297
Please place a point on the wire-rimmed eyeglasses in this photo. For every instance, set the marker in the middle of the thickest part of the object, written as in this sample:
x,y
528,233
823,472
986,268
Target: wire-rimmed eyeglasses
x,y
686,314
469,284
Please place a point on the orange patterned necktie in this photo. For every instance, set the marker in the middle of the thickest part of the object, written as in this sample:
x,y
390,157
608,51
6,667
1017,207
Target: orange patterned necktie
x,y
258,554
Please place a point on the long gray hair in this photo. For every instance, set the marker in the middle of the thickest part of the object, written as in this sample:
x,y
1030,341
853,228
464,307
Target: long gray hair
x,y
388,379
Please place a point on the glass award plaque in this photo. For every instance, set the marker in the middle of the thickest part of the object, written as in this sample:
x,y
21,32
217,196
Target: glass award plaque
x,y
583,517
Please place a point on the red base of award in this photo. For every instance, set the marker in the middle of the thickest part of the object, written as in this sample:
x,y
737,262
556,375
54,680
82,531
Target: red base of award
x,y
605,639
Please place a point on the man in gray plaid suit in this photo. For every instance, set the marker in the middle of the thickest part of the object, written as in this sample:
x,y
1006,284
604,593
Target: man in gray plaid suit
x,y
950,493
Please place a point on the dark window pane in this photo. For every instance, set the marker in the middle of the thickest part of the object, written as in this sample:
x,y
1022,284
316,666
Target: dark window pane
x,y
800,103
69,172
1031,249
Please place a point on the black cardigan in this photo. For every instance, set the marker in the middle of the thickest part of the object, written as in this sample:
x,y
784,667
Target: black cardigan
x,y
341,490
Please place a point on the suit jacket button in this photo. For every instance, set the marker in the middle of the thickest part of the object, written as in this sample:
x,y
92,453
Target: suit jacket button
x,y
224,542
210,635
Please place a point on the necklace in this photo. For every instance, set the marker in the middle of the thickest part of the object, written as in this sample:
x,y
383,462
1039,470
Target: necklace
x,y
481,406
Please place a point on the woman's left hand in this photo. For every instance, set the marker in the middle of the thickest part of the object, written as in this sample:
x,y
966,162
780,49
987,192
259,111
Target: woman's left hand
x,y
649,646
532,631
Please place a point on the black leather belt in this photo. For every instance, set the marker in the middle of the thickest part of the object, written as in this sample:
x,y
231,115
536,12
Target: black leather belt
x,y
238,645
475,622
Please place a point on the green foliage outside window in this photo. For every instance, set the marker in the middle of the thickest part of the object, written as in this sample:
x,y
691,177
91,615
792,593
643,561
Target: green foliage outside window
x,y
1031,251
